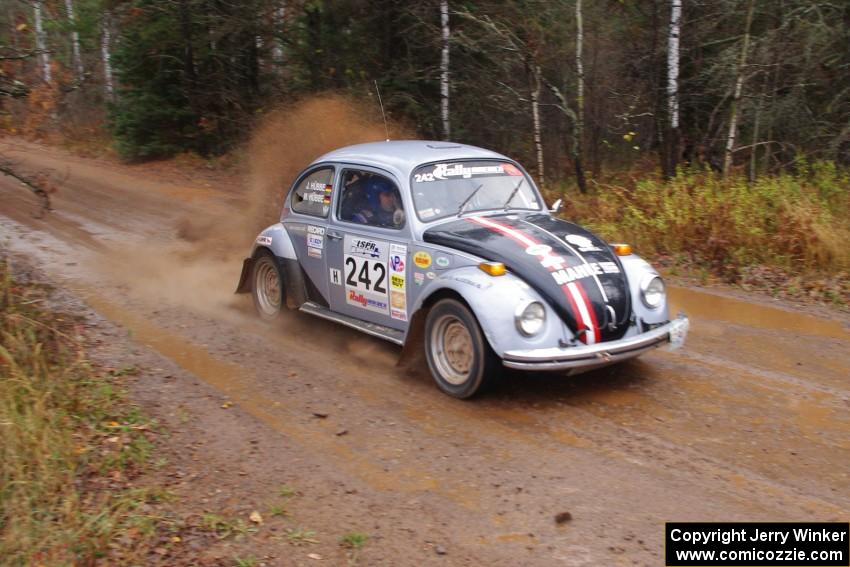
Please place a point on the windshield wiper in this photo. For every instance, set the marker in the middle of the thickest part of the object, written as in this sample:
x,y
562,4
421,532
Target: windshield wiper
x,y
513,193
468,198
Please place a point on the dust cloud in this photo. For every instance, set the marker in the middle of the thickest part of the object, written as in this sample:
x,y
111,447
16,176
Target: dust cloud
x,y
199,267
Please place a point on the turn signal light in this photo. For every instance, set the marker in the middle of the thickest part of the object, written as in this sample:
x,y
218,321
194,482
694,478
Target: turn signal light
x,y
622,249
493,268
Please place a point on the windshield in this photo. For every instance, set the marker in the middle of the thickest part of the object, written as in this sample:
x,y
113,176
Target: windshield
x,y
453,188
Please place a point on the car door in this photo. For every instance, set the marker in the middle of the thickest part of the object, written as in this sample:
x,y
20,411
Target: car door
x,y
367,245
310,202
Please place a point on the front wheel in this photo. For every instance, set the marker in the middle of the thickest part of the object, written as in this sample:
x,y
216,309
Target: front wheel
x,y
458,355
267,287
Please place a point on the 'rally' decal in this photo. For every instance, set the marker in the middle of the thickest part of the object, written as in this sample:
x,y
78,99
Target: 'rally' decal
x,y
557,266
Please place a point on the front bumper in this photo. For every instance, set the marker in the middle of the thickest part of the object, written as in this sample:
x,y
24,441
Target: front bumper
x,y
602,354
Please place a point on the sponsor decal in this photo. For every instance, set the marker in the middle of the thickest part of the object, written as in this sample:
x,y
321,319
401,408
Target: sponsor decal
x,y
430,275
473,283
366,301
443,171
398,253
264,240
582,271
583,243
365,247
399,314
442,261
398,297
422,260
418,278
538,249
427,213
587,326
320,230
315,241
398,300
336,276
314,252
511,169
446,170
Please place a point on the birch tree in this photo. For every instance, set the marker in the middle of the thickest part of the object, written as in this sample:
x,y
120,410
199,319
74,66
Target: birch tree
x,y
41,42
736,96
535,114
278,18
579,114
444,70
670,159
106,56
75,40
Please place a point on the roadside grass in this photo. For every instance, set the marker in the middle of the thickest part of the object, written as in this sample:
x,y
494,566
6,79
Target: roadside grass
x,y
69,442
789,226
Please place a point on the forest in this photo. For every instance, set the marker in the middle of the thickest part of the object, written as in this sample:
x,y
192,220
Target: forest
x,y
670,116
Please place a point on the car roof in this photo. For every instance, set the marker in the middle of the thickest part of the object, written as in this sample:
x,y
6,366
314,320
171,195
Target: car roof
x,y
405,155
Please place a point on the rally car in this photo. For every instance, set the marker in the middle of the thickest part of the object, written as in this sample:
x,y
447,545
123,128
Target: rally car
x,y
453,245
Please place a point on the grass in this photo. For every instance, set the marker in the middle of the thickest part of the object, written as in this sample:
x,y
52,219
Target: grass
x,y
69,441
794,224
301,536
354,540
225,527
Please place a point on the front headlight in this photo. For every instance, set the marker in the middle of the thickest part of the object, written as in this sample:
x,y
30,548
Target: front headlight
x,y
652,291
530,318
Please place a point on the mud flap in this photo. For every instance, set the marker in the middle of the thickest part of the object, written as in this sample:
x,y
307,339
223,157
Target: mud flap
x,y
245,278
412,354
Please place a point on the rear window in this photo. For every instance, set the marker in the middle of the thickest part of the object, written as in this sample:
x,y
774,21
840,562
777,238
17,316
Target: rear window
x,y
312,195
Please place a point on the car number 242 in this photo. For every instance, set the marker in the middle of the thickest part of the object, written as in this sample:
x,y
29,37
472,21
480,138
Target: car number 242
x,y
365,274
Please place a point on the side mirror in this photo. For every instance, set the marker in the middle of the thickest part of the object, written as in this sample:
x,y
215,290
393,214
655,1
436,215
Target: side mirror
x,y
556,206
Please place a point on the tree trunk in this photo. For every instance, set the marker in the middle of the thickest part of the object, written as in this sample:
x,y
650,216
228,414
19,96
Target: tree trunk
x,y
105,41
444,70
736,97
535,114
41,43
75,40
279,19
755,140
671,139
579,125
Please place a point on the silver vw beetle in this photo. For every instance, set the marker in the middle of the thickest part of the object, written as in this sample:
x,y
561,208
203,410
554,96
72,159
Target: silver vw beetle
x,y
454,244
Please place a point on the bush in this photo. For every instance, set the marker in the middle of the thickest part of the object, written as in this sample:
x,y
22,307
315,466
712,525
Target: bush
x,y
798,222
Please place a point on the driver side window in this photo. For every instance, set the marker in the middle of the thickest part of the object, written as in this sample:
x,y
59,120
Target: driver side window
x,y
370,199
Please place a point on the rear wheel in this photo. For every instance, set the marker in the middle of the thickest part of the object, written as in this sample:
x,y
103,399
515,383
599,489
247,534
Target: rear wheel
x,y
267,287
458,355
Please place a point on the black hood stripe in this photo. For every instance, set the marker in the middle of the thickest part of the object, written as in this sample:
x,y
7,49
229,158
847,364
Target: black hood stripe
x,y
574,292
577,254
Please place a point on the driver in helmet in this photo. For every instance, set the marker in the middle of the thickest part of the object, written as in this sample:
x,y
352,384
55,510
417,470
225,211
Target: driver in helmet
x,y
385,209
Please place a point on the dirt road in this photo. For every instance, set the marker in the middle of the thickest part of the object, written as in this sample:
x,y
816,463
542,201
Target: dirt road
x,y
750,422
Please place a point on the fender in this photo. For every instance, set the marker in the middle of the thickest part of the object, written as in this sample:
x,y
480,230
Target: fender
x,y
494,301
636,269
275,239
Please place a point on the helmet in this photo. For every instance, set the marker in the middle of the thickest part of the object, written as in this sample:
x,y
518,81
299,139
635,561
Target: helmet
x,y
375,186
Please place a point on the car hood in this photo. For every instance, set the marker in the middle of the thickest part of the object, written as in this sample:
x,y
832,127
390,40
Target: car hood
x,y
573,269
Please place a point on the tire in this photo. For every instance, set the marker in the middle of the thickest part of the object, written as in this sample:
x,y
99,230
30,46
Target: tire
x,y
267,287
459,357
